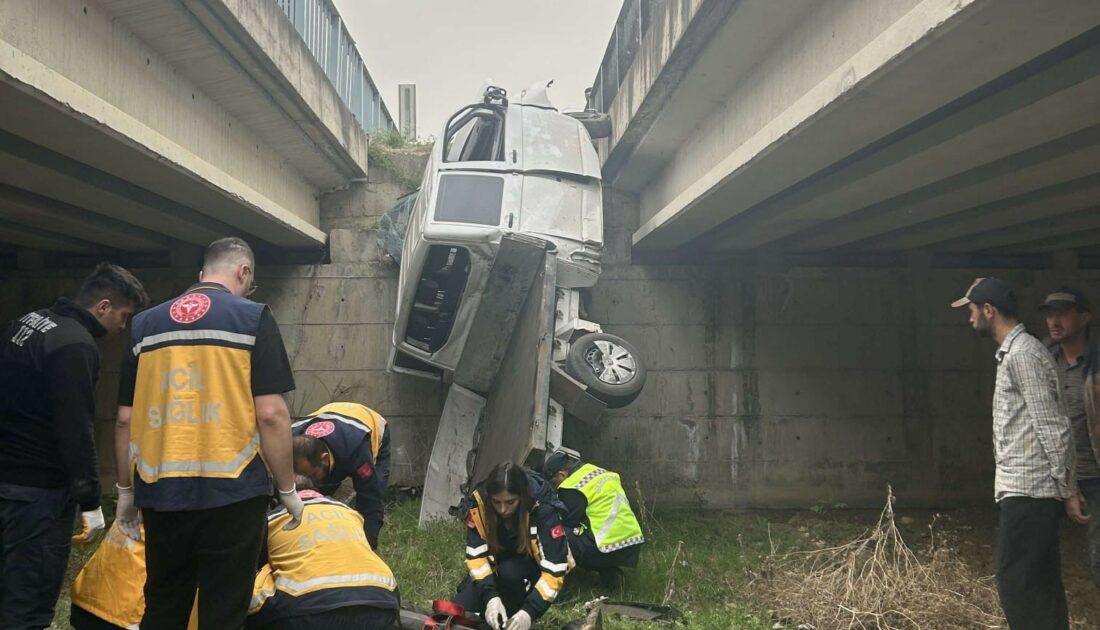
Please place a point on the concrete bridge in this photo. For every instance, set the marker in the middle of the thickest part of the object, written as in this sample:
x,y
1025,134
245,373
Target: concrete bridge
x,y
141,130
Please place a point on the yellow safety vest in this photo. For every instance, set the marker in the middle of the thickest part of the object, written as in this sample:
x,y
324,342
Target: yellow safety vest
x,y
112,583
363,414
193,412
327,551
614,525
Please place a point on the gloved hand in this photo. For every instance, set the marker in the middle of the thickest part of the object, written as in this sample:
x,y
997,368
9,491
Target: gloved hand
x,y
294,506
519,621
495,614
127,515
93,526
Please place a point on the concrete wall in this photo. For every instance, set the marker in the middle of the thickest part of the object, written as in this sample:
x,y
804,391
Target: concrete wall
x,y
789,387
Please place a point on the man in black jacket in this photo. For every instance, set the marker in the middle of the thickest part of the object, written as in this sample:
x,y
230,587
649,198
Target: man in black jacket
x,y
49,364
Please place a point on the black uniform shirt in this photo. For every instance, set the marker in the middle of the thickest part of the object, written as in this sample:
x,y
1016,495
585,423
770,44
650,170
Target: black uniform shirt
x,y
49,365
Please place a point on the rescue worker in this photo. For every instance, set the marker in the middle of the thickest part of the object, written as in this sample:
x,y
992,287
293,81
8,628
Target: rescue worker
x,y
602,530
49,364
107,593
347,440
200,399
323,575
516,551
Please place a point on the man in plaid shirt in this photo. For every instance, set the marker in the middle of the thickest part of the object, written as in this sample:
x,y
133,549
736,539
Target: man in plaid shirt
x,y
1033,449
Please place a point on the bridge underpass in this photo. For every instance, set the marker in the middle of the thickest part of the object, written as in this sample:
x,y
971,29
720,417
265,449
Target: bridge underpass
x,y
141,130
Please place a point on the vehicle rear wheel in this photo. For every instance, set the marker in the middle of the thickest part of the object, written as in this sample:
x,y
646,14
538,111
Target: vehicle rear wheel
x,y
609,366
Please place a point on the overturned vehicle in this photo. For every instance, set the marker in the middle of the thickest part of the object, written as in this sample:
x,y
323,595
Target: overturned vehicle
x,y
506,168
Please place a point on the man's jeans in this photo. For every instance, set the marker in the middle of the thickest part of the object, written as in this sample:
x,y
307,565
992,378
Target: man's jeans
x,y
1090,489
36,526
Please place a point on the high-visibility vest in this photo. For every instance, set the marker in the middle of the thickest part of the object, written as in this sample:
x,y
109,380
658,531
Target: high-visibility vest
x,y
349,412
326,557
193,412
614,525
111,585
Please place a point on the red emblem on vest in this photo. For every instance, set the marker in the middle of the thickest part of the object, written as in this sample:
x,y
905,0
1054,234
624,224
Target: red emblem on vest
x,y
470,522
320,429
190,308
557,532
365,471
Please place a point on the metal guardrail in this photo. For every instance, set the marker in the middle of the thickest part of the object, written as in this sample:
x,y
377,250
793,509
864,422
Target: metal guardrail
x,y
633,22
326,36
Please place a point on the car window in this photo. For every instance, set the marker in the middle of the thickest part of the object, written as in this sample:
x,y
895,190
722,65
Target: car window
x,y
469,199
476,134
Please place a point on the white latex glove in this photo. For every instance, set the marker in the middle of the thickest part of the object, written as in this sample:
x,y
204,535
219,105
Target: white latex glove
x,y
294,506
127,515
93,526
495,614
519,621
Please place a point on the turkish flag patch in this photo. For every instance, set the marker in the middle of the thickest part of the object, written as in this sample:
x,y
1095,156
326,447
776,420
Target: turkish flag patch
x,y
557,532
365,471
470,522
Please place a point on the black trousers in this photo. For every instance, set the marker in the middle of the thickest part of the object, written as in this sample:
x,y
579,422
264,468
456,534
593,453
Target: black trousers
x,y
349,618
36,528
81,619
215,551
588,556
514,576
1029,567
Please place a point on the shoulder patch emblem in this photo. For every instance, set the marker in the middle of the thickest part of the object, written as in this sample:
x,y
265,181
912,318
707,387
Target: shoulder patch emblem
x,y
470,521
321,429
190,308
557,532
365,471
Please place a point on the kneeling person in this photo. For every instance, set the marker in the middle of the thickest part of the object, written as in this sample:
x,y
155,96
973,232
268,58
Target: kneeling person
x,y
516,552
323,574
603,532
346,440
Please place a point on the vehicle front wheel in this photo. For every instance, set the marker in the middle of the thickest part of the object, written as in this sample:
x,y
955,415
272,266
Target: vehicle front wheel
x,y
609,366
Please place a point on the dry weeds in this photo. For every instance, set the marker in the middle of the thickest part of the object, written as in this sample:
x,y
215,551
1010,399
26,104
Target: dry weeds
x,y
878,582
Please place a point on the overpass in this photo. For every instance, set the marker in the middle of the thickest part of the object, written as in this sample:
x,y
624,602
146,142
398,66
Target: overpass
x,y
966,131
140,130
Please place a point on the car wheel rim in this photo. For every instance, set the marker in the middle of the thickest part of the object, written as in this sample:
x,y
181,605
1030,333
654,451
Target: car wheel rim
x,y
611,363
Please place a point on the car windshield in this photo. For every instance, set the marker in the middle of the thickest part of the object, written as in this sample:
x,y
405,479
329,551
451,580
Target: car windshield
x,y
476,134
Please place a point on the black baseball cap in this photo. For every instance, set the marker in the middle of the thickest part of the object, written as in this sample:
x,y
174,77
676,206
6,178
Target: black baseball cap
x,y
557,462
1066,298
989,291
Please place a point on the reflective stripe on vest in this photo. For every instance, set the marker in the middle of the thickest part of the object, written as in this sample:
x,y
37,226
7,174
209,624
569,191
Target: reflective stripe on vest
x,y
357,579
197,468
613,526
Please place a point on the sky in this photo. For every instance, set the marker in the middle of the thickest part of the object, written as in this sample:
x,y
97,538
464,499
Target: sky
x,y
449,48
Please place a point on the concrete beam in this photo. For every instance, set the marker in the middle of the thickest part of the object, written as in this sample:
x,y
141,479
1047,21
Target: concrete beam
x,y
1078,231
857,105
1058,161
23,236
1053,102
73,81
1046,203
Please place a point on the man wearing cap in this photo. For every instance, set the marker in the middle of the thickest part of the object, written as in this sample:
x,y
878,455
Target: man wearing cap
x,y
1077,356
601,529
1033,450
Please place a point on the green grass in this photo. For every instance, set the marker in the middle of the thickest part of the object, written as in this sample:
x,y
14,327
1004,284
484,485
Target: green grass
x,y
706,579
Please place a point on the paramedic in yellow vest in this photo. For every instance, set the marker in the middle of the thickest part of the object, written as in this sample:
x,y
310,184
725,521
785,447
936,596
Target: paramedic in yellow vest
x,y
603,532
200,399
516,552
345,440
322,575
107,593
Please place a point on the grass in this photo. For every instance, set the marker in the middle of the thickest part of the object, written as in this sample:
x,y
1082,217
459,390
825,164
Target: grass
x,y
700,563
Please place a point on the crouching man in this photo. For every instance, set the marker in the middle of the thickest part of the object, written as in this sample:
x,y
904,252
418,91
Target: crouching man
x,y
603,533
322,575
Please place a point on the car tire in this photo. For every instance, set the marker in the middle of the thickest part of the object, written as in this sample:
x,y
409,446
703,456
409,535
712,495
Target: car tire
x,y
609,366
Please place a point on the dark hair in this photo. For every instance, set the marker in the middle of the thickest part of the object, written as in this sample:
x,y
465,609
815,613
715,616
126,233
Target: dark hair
x,y
225,250
510,478
111,282
1010,309
309,448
